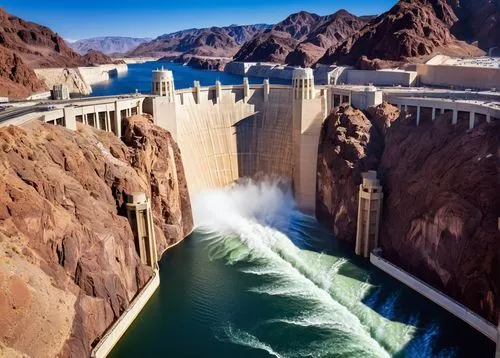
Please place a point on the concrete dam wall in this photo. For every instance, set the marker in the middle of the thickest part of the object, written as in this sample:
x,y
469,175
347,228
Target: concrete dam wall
x,y
230,136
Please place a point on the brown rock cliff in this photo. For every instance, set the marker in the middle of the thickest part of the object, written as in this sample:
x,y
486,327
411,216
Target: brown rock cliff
x,y
68,264
441,196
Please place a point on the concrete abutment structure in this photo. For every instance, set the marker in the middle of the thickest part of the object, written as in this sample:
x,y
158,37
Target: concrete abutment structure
x,y
369,213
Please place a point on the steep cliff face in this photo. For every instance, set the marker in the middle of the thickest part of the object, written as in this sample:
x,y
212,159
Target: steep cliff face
x,y
68,264
24,46
441,208
410,29
349,145
441,196
17,79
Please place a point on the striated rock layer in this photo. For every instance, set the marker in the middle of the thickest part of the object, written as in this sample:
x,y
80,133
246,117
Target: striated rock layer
x,y
68,264
441,196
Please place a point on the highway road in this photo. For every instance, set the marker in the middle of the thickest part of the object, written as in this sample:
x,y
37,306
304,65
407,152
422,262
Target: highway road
x,y
14,113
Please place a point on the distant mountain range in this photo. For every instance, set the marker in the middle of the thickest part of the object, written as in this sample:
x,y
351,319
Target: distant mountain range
x,y
207,42
411,31
108,45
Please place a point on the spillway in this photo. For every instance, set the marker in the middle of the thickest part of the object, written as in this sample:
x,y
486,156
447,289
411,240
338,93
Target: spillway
x,y
258,278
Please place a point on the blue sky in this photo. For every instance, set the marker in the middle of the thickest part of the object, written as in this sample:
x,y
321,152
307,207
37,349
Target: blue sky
x,y
76,19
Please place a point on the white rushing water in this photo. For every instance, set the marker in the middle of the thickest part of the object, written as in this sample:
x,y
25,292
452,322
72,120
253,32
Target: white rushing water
x,y
256,227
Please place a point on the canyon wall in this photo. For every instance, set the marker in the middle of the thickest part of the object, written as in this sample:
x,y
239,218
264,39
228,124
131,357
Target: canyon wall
x,y
68,263
441,196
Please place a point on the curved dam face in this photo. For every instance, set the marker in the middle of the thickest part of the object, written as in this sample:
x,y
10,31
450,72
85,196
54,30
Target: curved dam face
x,y
231,132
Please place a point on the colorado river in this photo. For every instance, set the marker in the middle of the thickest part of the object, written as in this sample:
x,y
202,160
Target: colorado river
x,y
257,278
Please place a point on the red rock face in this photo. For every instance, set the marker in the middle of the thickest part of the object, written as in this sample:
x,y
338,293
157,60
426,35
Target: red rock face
x,y
349,145
64,233
94,57
17,80
441,196
441,207
410,29
37,45
272,46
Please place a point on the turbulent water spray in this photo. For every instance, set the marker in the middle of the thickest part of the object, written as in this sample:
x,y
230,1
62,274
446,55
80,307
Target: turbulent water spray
x,y
256,227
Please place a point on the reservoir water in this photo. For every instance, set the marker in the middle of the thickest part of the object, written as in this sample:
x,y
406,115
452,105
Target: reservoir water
x,y
138,77
257,278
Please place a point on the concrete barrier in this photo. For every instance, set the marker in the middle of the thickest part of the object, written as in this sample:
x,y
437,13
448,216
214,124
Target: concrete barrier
x,y
452,306
116,331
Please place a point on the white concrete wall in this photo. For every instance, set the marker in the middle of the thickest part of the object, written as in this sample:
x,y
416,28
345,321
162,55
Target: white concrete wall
x,y
382,77
452,306
223,139
116,331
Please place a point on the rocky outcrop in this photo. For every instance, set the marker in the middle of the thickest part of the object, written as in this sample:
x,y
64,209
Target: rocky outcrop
x,y
441,208
301,39
271,46
94,57
68,264
441,196
37,45
349,145
207,63
411,29
17,79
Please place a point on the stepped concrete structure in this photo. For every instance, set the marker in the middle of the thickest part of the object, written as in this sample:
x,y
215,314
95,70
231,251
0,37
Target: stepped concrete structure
x,y
369,213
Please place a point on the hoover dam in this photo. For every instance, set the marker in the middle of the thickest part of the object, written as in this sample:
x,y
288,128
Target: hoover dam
x,y
226,133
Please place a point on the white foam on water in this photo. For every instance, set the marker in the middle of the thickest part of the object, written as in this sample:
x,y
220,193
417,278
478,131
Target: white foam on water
x,y
250,224
246,339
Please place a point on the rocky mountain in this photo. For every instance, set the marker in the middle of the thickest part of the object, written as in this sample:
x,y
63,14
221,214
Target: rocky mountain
x,y
68,263
25,45
479,20
108,45
438,221
301,39
410,29
16,78
94,57
208,42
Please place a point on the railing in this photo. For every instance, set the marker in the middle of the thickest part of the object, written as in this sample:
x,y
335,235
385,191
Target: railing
x,y
449,304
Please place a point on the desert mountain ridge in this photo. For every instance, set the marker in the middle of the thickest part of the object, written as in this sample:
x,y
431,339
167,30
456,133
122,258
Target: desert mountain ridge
x,y
108,45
